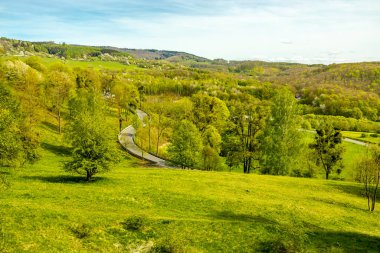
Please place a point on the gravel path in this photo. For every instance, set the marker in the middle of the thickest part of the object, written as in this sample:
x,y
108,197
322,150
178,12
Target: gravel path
x,y
126,139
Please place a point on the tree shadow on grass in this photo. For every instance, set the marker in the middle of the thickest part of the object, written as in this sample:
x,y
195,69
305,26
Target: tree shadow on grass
x,y
325,241
65,179
239,217
56,149
51,126
357,190
340,204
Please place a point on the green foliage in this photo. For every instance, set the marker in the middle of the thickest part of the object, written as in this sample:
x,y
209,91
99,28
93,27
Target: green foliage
x,y
185,145
368,173
282,139
134,223
327,148
169,245
209,110
19,141
211,148
87,133
88,79
82,231
248,118
58,88
342,123
10,119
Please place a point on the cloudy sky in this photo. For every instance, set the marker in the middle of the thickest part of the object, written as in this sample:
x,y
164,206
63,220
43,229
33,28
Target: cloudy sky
x,y
308,31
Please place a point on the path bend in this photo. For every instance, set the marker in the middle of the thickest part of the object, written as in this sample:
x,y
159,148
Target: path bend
x,y
126,139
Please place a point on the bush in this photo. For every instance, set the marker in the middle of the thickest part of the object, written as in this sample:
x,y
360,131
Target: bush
x,y
374,135
363,135
82,231
134,223
296,173
168,245
276,246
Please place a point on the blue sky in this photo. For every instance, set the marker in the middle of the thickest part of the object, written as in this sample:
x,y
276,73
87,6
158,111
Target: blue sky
x,y
308,31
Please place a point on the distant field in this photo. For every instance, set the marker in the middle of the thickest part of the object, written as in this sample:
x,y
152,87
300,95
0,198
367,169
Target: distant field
x,y
92,64
48,210
358,136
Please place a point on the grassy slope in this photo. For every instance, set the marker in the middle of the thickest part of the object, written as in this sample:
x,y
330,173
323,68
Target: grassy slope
x,y
95,64
45,209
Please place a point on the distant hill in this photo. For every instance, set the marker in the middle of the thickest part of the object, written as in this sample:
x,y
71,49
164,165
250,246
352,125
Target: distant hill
x,y
153,54
63,50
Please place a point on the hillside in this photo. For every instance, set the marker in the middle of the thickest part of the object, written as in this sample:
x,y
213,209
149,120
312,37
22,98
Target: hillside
x,y
48,210
238,123
11,46
348,90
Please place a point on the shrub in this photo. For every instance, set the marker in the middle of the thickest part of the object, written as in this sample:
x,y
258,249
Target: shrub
x,y
363,135
82,231
134,223
168,245
374,135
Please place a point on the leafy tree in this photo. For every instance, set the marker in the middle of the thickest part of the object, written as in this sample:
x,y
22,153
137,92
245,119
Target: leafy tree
x,y
87,78
211,149
160,119
327,148
249,119
185,145
18,141
35,63
209,111
368,173
58,87
93,150
282,140
125,97
231,149
10,119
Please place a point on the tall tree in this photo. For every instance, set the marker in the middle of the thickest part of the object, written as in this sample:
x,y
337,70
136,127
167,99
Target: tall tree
x,y
26,83
185,145
125,98
282,140
58,87
327,148
18,141
211,149
10,119
93,149
248,118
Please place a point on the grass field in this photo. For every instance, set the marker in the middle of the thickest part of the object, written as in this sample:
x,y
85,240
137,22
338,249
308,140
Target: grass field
x,y
134,208
358,136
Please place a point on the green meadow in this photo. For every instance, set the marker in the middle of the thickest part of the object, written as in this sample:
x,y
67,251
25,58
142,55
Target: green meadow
x,y
137,208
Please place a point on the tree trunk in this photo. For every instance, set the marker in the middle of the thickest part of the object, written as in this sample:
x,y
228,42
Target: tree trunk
x,y
149,148
120,123
59,121
88,175
327,175
368,203
373,203
158,142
